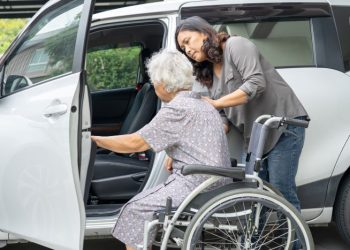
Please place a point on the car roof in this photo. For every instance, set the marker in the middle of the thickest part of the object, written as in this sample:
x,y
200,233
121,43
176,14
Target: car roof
x,y
172,6
141,9
339,2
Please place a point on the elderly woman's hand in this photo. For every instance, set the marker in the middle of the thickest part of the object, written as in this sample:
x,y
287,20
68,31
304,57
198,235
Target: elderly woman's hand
x,y
94,139
128,143
169,164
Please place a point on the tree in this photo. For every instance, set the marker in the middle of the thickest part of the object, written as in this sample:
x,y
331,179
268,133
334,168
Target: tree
x,y
9,30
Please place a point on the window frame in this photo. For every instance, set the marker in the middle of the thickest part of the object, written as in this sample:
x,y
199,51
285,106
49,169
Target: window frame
x,y
116,24
338,11
137,75
255,12
80,42
310,35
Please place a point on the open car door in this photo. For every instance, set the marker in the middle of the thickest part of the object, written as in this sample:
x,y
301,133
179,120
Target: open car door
x,y
41,112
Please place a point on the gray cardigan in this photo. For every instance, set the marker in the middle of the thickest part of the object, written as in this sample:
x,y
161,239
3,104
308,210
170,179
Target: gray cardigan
x,y
245,68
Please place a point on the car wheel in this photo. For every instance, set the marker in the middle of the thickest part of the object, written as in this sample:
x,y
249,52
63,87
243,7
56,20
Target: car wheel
x,y
342,210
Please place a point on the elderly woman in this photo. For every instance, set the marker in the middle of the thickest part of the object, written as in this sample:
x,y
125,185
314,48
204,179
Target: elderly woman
x,y
187,127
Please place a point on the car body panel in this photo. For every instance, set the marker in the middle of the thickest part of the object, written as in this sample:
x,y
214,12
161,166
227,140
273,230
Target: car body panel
x,y
323,218
311,85
343,160
319,163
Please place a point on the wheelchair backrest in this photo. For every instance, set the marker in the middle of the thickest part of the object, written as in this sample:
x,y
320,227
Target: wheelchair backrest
x,y
256,146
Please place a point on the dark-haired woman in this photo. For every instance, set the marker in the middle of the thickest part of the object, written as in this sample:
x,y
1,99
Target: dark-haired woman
x,y
244,85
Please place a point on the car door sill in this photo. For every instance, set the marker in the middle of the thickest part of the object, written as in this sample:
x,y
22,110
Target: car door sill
x,y
103,210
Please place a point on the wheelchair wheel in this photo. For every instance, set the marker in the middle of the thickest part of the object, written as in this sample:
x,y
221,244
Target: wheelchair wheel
x,y
247,219
268,187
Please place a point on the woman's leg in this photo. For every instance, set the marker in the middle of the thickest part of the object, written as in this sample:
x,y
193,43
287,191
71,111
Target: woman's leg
x,y
282,163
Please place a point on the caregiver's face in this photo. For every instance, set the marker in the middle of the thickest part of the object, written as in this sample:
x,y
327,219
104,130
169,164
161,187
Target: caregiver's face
x,y
191,43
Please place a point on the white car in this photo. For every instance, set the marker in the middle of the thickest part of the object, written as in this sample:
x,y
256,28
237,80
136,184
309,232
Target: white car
x,y
68,75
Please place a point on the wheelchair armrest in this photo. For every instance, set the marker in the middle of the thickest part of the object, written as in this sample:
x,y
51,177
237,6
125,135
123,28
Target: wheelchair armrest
x,y
237,174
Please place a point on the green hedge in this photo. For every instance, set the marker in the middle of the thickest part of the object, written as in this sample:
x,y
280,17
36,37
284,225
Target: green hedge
x,y
113,68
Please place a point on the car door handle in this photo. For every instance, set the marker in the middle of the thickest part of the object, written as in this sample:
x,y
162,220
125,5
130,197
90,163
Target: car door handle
x,y
56,110
139,177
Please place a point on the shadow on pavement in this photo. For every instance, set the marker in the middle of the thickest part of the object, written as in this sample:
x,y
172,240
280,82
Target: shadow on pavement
x,y
326,238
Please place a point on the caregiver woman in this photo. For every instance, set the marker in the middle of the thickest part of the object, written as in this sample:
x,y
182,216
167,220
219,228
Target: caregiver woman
x,y
244,85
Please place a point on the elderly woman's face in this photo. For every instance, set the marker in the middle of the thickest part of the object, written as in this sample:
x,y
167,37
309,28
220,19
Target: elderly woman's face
x,y
191,43
162,93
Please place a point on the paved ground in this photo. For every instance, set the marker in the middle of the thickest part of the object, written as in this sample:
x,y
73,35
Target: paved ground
x,y
326,238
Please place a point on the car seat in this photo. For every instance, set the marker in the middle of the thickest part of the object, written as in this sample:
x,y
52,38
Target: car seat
x,y
119,176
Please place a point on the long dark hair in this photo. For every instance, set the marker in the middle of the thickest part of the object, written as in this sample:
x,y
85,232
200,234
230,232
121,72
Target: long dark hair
x,y
211,47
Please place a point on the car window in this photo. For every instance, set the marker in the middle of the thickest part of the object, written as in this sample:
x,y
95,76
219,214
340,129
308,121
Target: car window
x,y
283,43
342,19
113,68
46,51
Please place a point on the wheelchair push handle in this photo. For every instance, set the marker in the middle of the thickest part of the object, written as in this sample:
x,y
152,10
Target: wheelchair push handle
x,y
275,121
295,122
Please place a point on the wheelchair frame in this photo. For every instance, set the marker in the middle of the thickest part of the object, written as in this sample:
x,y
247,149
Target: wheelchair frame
x,y
249,172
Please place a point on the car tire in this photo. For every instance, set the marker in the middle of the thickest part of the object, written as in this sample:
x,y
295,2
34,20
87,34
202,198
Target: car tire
x,y
342,211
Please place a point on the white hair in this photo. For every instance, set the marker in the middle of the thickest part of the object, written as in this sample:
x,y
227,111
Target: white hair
x,y
171,68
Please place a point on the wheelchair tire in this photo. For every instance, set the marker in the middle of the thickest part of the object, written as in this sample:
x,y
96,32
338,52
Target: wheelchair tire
x,y
268,187
229,221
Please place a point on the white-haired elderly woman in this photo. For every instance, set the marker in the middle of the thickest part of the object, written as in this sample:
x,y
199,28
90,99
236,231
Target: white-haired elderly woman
x,y
188,128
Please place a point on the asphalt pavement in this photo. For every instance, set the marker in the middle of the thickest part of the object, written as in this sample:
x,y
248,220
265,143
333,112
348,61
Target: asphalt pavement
x,y
326,238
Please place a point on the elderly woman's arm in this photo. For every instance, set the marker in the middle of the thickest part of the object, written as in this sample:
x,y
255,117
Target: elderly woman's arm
x,y
122,143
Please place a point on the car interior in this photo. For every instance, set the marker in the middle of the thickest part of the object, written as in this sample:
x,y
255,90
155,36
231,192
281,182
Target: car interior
x,y
123,101
284,44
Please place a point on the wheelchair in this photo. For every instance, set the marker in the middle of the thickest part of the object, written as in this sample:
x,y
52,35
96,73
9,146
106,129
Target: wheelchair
x,y
245,214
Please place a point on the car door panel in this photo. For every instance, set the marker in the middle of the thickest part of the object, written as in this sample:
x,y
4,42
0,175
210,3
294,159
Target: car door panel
x,y
88,150
128,185
36,176
41,130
